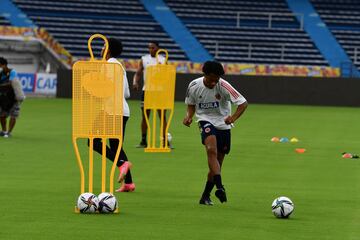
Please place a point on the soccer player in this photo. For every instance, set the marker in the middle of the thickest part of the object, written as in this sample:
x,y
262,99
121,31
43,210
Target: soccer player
x,y
209,98
11,96
147,60
114,51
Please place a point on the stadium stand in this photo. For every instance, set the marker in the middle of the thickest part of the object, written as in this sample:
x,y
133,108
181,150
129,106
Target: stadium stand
x,y
247,31
343,19
73,22
4,21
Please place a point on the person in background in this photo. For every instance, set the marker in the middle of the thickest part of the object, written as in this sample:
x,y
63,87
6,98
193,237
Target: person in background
x,y
125,177
11,97
147,60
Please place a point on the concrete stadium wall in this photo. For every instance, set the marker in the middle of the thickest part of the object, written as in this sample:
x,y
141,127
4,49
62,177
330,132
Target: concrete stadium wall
x,y
269,90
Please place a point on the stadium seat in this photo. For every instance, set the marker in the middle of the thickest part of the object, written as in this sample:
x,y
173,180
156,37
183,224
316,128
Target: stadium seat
x,y
72,23
343,20
249,38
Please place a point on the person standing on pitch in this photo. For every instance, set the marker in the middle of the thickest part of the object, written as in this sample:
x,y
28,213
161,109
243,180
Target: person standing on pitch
x,y
11,96
147,60
209,98
114,51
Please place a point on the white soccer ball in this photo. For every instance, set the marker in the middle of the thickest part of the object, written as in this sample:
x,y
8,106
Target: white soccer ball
x,y
169,137
88,203
282,207
107,202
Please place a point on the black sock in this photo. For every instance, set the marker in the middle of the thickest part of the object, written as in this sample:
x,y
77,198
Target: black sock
x,y
217,181
143,138
128,178
208,188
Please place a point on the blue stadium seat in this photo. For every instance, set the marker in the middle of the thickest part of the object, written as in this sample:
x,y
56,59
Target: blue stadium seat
x,y
343,20
239,31
73,22
4,21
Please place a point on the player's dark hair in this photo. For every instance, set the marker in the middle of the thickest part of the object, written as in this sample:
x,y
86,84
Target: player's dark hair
x,y
213,67
155,42
115,47
3,61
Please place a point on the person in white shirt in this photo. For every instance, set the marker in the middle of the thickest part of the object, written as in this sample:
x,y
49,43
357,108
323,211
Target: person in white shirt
x,y
209,98
147,60
114,51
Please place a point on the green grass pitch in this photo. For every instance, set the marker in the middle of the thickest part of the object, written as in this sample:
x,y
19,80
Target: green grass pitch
x,y
39,179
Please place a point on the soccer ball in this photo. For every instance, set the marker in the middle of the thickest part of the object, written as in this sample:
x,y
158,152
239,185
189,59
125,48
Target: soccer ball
x,y
169,137
87,203
282,207
107,202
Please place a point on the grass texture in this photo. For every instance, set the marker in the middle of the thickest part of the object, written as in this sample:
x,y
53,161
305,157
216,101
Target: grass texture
x,y
40,181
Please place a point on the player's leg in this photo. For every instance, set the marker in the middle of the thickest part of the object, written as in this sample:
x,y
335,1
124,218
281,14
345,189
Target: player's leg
x,y
205,197
14,114
208,136
3,123
123,163
220,192
143,125
223,146
12,123
97,146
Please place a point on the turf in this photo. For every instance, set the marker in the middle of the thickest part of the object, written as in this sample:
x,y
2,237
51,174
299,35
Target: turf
x,y
39,179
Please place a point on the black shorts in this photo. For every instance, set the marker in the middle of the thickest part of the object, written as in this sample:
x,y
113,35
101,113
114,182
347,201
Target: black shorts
x,y
223,137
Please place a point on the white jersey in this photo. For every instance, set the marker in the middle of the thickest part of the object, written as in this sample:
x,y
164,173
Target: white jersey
x,y
148,60
126,109
213,105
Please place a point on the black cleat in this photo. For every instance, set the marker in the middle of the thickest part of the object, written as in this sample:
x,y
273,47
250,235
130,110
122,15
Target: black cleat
x,y
142,145
206,201
221,195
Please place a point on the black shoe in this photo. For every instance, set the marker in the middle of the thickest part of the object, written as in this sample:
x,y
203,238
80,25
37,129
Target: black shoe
x,y
170,145
221,195
206,201
142,145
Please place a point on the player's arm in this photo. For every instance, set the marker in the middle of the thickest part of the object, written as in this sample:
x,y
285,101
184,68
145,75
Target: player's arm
x,y
137,76
16,85
239,111
19,93
189,115
236,98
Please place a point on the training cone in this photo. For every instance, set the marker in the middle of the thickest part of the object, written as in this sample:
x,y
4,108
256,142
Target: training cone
x,y
300,150
275,139
294,140
347,155
284,140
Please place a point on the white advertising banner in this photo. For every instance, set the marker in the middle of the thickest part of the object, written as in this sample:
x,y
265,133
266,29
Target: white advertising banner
x,y
45,83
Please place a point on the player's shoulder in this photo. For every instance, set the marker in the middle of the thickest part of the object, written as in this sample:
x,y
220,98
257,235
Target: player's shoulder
x,y
146,56
226,87
114,60
195,82
225,84
12,74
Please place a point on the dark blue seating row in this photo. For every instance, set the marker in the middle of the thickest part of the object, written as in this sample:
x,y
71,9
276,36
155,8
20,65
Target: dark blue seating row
x,y
72,22
248,31
342,17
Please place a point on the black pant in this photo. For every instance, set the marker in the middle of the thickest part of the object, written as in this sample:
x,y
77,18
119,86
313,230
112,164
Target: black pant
x,y
114,143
